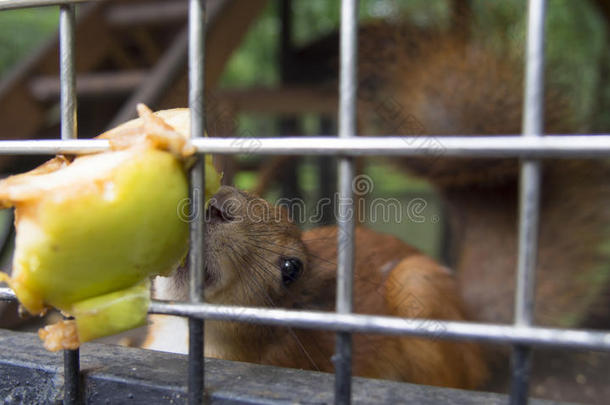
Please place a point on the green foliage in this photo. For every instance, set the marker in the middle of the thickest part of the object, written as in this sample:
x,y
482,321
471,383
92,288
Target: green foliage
x,y
314,18
575,43
254,63
22,30
574,47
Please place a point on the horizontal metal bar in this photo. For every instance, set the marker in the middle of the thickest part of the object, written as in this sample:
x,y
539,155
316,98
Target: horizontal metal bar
x,y
551,146
357,323
54,147
15,4
126,375
530,335
458,146
6,294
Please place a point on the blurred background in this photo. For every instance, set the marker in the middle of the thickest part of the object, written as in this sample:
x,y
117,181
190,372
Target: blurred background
x,y
426,69
262,54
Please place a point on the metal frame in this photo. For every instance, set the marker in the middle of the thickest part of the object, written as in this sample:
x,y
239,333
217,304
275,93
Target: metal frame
x,y
529,200
548,146
29,374
17,4
530,147
68,103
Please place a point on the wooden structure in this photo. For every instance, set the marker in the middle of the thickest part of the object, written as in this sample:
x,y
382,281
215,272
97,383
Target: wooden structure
x,y
127,52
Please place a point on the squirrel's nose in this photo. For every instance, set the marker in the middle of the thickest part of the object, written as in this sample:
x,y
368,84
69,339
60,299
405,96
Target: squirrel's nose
x,y
224,206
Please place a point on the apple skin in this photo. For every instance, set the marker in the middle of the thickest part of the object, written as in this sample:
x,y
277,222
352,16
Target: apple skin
x,y
100,234
91,232
112,313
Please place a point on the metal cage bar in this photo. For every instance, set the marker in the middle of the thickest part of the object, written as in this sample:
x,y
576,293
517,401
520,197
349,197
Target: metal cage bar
x,y
17,4
529,200
68,104
543,147
345,220
530,147
358,323
581,339
196,57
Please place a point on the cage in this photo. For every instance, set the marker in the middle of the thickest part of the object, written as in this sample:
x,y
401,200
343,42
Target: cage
x,y
123,375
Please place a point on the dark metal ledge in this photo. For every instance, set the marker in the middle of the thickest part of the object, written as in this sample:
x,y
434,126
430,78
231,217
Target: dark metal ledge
x,y
112,374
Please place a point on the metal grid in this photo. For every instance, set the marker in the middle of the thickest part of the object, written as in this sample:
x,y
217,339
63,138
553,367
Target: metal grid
x,y
530,147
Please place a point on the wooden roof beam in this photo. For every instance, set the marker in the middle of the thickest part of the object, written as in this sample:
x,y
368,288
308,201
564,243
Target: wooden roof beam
x,y
287,100
46,88
148,13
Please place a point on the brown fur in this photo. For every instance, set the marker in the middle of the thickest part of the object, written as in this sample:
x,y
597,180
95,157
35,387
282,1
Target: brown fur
x,y
429,82
391,278
461,88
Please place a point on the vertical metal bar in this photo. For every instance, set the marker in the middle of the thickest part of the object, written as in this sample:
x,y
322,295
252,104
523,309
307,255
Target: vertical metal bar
x,y
345,221
533,125
197,107
67,71
68,131
327,177
71,377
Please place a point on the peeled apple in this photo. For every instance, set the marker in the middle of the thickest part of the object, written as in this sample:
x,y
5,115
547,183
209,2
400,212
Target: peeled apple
x,y
92,231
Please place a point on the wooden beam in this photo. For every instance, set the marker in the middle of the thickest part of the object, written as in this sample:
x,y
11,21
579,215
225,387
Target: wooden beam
x,y
148,13
226,33
223,37
151,49
158,81
93,39
21,114
228,22
287,100
46,88
165,72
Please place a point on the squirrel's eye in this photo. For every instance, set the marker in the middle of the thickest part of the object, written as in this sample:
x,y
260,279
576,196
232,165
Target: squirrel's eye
x,y
291,268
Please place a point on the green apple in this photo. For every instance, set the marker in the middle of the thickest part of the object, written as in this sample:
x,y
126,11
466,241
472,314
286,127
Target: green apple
x,y
91,232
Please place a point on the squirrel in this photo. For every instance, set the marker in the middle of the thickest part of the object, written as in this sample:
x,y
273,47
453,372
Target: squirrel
x,y
437,85
427,83
451,87
255,256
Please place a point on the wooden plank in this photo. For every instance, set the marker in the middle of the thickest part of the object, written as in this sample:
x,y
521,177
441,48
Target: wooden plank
x,y
21,114
167,85
288,100
158,80
224,35
46,88
93,39
149,13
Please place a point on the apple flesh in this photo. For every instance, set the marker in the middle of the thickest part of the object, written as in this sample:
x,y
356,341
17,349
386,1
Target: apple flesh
x,y
91,232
